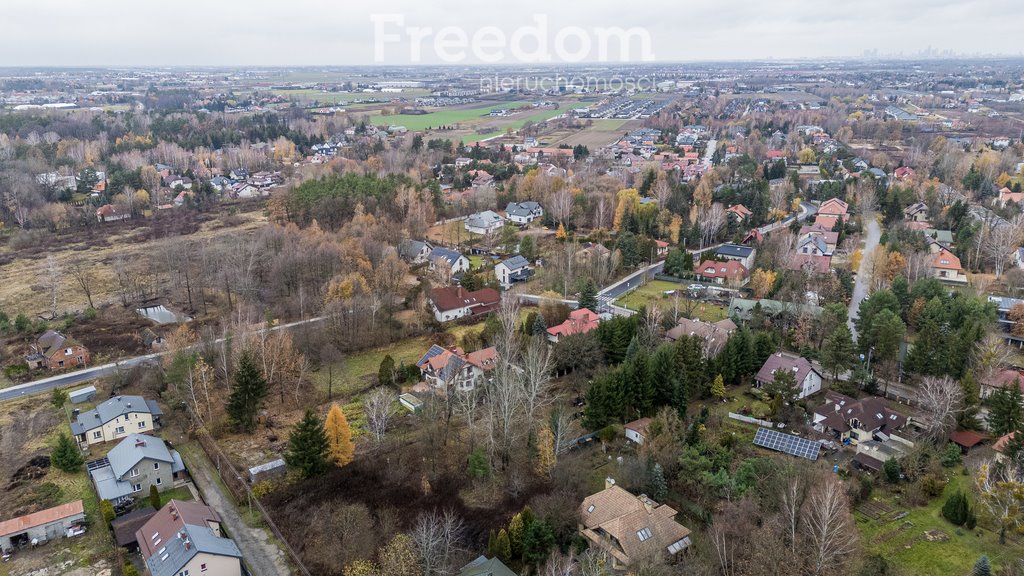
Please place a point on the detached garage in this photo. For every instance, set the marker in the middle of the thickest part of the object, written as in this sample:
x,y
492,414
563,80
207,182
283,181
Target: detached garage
x,y
38,527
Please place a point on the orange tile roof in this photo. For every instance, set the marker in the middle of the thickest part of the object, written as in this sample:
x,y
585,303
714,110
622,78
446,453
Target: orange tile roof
x,y
41,518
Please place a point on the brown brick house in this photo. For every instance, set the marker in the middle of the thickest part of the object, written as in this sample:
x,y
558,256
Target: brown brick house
x,y
54,351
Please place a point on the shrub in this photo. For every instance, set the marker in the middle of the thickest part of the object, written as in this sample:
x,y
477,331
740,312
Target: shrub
x,y
891,470
958,510
950,456
932,485
262,488
107,510
66,455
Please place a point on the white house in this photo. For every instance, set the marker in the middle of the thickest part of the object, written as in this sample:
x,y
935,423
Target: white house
x,y
450,260
523,212
415,251
636,431
808,380
484,222
512,270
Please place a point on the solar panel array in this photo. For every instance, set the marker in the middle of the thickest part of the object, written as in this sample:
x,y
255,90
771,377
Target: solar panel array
x,y
781,442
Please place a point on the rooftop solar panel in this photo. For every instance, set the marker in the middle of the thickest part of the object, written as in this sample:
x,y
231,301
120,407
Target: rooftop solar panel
x,y
781,442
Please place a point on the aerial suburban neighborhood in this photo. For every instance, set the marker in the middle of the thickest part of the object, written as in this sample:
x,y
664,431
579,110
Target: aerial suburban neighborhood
x,y
278,298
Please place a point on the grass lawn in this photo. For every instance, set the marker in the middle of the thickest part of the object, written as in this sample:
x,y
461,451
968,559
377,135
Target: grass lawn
x,y
358,371
181,493
444,116
654,292
924,558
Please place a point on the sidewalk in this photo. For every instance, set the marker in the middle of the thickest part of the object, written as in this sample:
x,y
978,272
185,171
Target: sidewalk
x,y
261,555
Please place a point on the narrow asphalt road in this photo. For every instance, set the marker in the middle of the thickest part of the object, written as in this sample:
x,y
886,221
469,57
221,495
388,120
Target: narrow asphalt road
x,y
860,288
262,557
86,374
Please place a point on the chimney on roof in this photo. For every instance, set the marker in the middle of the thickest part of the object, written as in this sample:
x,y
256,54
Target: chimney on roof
x,y
608,483
647,502
139,442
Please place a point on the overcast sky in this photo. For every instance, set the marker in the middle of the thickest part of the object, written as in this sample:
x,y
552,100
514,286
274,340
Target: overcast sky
x,y
343,32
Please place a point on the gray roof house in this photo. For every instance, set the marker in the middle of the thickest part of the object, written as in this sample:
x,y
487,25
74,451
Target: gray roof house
x,y
414,251
443,258
742,254
186,538
484,222
136,463
512,270
115,418
483,566
523,212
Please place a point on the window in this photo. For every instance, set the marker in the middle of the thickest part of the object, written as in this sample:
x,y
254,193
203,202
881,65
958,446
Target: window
x,y
137,488
162,550
119,430
60,364
183,573
644,534
134,472
202,567
590,509
142,424
97,435
156,465
156,537
159,480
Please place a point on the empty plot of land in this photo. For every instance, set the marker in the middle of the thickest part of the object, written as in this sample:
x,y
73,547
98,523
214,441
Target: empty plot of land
x,y
601,133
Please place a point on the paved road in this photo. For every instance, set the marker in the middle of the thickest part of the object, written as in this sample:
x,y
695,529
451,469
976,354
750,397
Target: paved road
x,y
86,374
860,289
262,557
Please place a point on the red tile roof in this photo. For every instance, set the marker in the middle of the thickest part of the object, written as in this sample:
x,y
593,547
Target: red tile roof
x,y
455,297
946,260
727,270
579,322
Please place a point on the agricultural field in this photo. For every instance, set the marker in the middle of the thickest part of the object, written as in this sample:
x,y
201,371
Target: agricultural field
x,y
654,293
602,132
448,116
903,543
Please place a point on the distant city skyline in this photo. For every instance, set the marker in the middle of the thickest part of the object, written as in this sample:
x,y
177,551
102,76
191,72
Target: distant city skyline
x,y
312,32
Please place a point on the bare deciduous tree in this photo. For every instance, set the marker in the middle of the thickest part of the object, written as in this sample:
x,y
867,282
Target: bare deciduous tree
x,y
712,220
1002,242
438,540
537,375
50,279
83,275
829,524
378,404
941,401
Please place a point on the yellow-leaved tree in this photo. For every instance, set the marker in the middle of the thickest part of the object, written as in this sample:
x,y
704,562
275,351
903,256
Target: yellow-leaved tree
x,y
545,452
339,437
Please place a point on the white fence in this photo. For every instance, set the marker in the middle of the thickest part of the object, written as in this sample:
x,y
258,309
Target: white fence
x,y
749,420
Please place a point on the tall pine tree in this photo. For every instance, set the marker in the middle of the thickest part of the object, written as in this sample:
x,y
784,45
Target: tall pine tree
x,y
247,394
1005,413
307,447
837,353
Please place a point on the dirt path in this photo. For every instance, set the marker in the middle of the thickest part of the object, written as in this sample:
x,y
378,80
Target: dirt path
x,y
261,555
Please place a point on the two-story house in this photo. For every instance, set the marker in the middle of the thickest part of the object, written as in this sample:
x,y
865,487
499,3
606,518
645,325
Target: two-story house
x,y
512,270
455,369
415,251
456,302
631,528
115,419
450,262
742,254
523,212
185,539
133,466
807,379
857,420
55,351
485,222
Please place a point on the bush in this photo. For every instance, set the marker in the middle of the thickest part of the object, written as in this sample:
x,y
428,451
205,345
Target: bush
x,y
958,510
951,456
21,323
892,471
262,488
129,570
66,455
932,485
107,511
15,370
